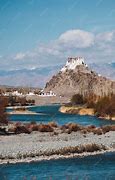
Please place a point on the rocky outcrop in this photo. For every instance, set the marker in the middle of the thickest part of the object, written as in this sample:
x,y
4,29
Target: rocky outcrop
x,y
81,80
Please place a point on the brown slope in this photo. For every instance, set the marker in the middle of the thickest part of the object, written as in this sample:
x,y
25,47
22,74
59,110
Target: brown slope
x,y
80,80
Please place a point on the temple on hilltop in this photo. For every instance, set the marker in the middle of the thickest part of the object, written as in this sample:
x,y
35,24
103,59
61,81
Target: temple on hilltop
x,y
72,62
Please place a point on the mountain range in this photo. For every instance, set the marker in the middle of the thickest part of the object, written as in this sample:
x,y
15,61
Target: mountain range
x,y
39,76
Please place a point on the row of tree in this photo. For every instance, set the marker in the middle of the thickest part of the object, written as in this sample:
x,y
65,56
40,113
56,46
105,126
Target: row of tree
x,y
3,114
19,101
102,105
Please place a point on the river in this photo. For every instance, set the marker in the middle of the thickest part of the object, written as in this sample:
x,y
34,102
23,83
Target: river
x,y
51,113
99,167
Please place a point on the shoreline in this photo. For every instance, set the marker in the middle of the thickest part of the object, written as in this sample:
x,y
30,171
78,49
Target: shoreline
x,y
15,107
82,112
26,112
55,157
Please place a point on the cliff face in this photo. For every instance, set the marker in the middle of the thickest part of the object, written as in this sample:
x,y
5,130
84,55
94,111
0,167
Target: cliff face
x,y
79,80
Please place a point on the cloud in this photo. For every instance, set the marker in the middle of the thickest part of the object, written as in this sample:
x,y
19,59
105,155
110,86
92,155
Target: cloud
x,y
105,37
19,56
76,39
94,47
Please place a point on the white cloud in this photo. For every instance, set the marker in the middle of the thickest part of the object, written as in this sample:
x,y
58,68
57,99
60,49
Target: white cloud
x,y
20,56
94,47
77,39
105,37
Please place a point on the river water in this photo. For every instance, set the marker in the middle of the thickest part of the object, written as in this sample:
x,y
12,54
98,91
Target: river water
x,y
99,167
51,113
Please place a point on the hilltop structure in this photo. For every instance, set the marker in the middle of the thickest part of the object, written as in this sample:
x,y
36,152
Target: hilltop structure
x,y
72,63
76,78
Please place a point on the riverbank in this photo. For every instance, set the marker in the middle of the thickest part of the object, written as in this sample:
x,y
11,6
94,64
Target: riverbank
x,y
55,157
21,112
82,111
77,110
15,107
39,146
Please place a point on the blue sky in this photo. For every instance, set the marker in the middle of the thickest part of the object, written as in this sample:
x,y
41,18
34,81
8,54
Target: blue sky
x,y
31,29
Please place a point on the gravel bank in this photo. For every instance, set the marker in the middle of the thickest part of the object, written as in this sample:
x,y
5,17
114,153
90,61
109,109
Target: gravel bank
x,y
13,147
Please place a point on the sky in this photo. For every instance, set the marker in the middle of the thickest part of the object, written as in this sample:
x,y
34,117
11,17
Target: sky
x,y
43,33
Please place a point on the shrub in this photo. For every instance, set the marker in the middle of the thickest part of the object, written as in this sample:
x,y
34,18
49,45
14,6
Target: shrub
x,y
3,114
91,126
31,126
98,131
53,124
34,127
105,106
106,129
71,127
93,147
77,99
74,127
45,128
91,99
112,127
21,129
84,131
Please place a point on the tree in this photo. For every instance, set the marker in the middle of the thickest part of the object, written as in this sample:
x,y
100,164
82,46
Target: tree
x,y
3,114
77,99
105,106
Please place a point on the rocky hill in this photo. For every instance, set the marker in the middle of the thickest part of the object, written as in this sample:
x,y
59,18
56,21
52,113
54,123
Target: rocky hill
x,y
76,77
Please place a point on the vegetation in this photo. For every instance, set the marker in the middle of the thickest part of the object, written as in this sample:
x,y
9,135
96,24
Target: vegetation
x,y
77,99
19,101
103,106
61,151
3,114
18,128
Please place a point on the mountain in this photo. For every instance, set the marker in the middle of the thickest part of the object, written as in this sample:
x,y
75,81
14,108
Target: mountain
x,y
38,77
27,77
105,69
76,77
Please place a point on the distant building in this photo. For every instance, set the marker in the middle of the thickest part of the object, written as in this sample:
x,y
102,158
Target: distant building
x,y
72,63
46,94
30,94
13,93
16,93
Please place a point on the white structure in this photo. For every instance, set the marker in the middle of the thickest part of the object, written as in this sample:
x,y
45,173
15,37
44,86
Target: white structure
x,y
14,93
72,63
46,94
30,94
